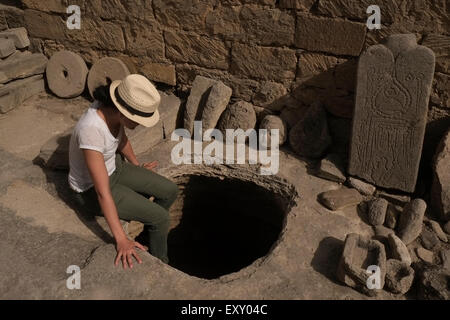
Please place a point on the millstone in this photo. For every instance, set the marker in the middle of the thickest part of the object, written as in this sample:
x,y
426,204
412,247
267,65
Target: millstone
x,y
66,74
105,71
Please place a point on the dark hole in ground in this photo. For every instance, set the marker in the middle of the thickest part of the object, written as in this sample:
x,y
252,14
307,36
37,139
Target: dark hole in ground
x,y
222,226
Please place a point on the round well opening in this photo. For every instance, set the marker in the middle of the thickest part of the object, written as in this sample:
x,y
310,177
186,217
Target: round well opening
x,y
220,225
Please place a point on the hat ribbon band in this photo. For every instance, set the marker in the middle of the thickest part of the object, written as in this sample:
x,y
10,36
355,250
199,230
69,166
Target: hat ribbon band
x,y
130,108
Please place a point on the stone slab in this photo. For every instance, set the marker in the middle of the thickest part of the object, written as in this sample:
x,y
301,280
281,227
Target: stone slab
x,y
18,35
24,66
393,90
7,48
16,92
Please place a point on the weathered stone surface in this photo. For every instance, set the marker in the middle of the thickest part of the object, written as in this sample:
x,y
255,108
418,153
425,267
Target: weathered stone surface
x,y
144,38
316,69
292,116
440,193
263,63
362,186
105,71
310,137
411,220
200,91
436,227
270,95
339,199
399,276
7,47
376,212
169,110
433,284
440,95
252,24
392,216
56,6
158,72
18,35
398,249
429,239
37,23
445,257
440,44
142,138
425,255
391,107
447,227
66,74
382,233
217,102
54,153
338,37
200,50
358,254
240,115
332,168
272,122
302,5
15,92
24,66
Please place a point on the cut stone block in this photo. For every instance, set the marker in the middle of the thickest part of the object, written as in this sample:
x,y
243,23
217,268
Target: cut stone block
x,y
16,55
66,74
217,102
399,250
332,168
200,91
393,91
310,137
105,71
376,212
269,123
16,92
24,66
169,110
7,48
54,153
411,220
359,253
399,276
362,186
142,138
18,35
339,199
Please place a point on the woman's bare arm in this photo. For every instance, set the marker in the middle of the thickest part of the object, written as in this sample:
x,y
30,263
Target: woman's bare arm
x,y
97,169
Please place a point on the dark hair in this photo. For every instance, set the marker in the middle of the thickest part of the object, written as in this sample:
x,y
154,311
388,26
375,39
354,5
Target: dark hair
x,y
101,94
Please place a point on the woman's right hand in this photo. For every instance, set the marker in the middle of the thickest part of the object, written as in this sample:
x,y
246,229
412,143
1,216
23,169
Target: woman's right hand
x,y
126,251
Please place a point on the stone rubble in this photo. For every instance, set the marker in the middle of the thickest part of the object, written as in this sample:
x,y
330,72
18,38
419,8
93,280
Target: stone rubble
x,y
436,227
411,220
363,187
339,199
332,168
398,249
392,216
425,255
399,276
376,212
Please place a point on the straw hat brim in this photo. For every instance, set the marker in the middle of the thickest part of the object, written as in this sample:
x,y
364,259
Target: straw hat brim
x,y
145,121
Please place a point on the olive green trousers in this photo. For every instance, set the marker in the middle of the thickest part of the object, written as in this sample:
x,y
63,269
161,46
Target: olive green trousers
x,y
131,188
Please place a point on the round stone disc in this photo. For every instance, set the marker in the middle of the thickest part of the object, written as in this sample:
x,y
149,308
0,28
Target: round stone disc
x,y
66,74
105,71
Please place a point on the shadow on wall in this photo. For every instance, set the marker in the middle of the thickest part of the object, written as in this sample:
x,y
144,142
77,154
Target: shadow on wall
x,y
55,168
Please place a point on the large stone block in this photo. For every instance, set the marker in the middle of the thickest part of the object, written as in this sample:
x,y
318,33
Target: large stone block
x,y
393,90
358,255
57,6
18,35
22,67
16,92
144,39
37,24
164,73
338,37
192,48
252,24
440,194
263,63
302,5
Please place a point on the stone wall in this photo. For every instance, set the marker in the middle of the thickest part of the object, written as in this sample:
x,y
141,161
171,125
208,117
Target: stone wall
x,y
274,54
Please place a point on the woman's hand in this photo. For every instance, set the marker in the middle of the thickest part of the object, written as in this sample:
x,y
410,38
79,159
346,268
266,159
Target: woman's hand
x,y
150,165
126,250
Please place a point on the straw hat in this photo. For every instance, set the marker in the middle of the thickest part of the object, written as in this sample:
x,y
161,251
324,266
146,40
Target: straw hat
x,y
137,99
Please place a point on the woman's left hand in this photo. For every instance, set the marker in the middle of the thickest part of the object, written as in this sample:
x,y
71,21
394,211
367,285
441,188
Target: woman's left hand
x,y
150,165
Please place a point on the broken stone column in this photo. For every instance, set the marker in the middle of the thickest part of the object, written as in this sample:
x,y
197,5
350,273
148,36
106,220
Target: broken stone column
x,y
411,221
358,255
393,91
217,102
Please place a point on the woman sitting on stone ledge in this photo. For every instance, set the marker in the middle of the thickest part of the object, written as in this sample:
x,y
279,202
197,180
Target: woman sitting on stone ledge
x,y
104,182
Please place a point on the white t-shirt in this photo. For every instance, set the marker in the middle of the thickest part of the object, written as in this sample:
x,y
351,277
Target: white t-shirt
x,y
91,132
